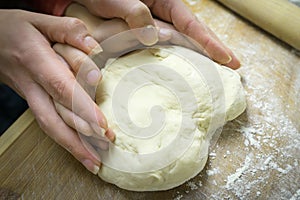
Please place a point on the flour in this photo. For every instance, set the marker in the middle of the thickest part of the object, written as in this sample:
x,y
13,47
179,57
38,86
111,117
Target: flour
x,y
192,2
296,196
265,162
267,136
239,172
213,171
192,185
281,142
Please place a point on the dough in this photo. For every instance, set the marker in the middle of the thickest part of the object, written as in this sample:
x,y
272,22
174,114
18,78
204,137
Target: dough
x,y
164,113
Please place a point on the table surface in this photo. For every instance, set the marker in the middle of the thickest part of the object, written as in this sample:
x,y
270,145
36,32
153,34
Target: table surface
x,y
257,155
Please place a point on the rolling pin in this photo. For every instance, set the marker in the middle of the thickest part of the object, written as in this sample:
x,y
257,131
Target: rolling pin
x,y
278,17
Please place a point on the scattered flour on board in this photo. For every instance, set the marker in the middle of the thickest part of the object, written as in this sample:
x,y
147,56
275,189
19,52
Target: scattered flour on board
x,y
192,2
296,196
233,177
213,171
271,141
192,185
271,138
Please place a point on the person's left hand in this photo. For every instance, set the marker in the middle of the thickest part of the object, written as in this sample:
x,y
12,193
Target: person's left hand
x,y
29,66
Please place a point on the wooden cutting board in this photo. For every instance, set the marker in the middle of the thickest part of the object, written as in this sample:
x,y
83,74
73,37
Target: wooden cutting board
x,y
256,157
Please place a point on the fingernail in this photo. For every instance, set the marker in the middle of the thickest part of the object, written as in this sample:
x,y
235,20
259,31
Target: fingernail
x,y
102,122
93,77
93,45
149,35
234,63
89,165
110,135
229,59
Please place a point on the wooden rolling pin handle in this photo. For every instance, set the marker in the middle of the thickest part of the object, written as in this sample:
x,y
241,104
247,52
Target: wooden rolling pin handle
x,y
279,17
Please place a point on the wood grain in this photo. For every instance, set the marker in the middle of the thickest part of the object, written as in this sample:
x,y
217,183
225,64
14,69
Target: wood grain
x,y
14,132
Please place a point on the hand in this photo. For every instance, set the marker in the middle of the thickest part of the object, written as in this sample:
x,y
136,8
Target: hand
x,y
138,14
102,29
78,61
29,65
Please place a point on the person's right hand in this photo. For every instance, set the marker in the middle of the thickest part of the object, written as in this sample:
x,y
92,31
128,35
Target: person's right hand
x,y
29,65
139,13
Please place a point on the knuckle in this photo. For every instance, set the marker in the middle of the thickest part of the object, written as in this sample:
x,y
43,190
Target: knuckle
x,y
188,26
17,57
76,31
74,23
206,43
60,87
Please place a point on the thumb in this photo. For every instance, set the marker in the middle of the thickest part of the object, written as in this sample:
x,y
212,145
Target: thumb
x,y
67,30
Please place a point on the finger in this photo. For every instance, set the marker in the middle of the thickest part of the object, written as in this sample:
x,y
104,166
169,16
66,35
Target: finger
x,y
102,29
44,111
105,29
80,63
99,28
97,144
80,12
80,125
110,135
171,37
108,28
134,12
67,30
184,21
60,83
73,120
234,63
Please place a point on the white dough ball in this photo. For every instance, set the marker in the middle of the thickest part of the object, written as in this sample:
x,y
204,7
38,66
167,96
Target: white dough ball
x,y
164,109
